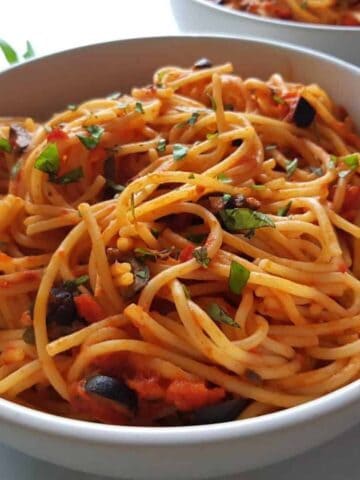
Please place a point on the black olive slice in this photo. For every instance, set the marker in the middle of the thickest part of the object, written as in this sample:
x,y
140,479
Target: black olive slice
x,y
304,113
112,389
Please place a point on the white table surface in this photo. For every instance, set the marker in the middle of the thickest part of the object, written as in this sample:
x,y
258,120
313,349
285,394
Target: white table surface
x,y
55,26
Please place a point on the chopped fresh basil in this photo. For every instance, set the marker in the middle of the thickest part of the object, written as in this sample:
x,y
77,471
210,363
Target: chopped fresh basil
x,y
333,161
277,99
196,237
91,141
223,178
352,161
9,53
69,177
161,146
240,219
291,166
48,161
191,176
257,186
30,53
283,211
220,316
344,173
75,282
179,151
226,197
29,335
114,96
145,254
5,145
201,256
318,171
239,276
193,119
212,136
139,107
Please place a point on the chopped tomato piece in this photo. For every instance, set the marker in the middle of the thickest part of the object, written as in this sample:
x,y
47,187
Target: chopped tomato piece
x,y
186,395
88,308
57,134
349,19
186,253
277,9
148,388
352,198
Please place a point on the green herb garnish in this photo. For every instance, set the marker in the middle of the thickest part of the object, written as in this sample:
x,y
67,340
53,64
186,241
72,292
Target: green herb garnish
x,y
186,291
191,176
352,161
145,254
318,171
75,282
114,96
139,107
48,161
277,99
223,178
30,53
239,276
9,53
220,316
5,145
283,211
72,107
95,134
212,136
69,177
196,237
201,256
179,151
240,219
291,166
161,146
15,169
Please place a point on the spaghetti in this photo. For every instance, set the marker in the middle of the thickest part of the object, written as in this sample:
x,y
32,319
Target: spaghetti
x,y
185,254
331,12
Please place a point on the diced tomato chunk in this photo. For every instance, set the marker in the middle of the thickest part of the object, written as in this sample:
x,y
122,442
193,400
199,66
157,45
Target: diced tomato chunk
x,y
352,198
88,308
57,134
186,253
148,388
186,395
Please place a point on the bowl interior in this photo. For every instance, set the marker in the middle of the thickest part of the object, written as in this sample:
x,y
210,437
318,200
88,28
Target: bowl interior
x,y
48,84
44,86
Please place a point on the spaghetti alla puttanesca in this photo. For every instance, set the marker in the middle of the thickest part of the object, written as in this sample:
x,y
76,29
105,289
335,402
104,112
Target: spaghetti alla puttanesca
x,y
331,12
186,254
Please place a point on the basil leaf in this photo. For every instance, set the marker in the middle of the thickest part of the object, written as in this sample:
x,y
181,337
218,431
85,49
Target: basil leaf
x,y
196,237
9,53
30,53
48,161
139,107
283,211
239,276
75,283
5,145
257,186
71,176
223,178
114,96
29,335
186,291
155,232
291,166
220,316
352,161
161,146
91,141
201,256
144,253
179,151
191,176
238,219
333,161
317,170
193,119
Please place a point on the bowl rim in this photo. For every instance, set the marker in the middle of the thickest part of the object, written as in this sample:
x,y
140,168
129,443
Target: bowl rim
x,y
30,419
278,22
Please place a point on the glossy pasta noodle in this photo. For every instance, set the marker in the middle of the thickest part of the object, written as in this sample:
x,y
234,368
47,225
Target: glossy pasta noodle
x,y
332,12
186,254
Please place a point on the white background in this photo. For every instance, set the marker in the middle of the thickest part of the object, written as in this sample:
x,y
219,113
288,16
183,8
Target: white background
x,y
61,24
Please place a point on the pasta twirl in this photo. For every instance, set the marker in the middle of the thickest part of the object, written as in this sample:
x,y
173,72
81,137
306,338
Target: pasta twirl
x,y
186,253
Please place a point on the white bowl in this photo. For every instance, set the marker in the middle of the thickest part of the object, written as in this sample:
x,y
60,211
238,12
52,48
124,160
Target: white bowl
x,y
45,85
205,16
